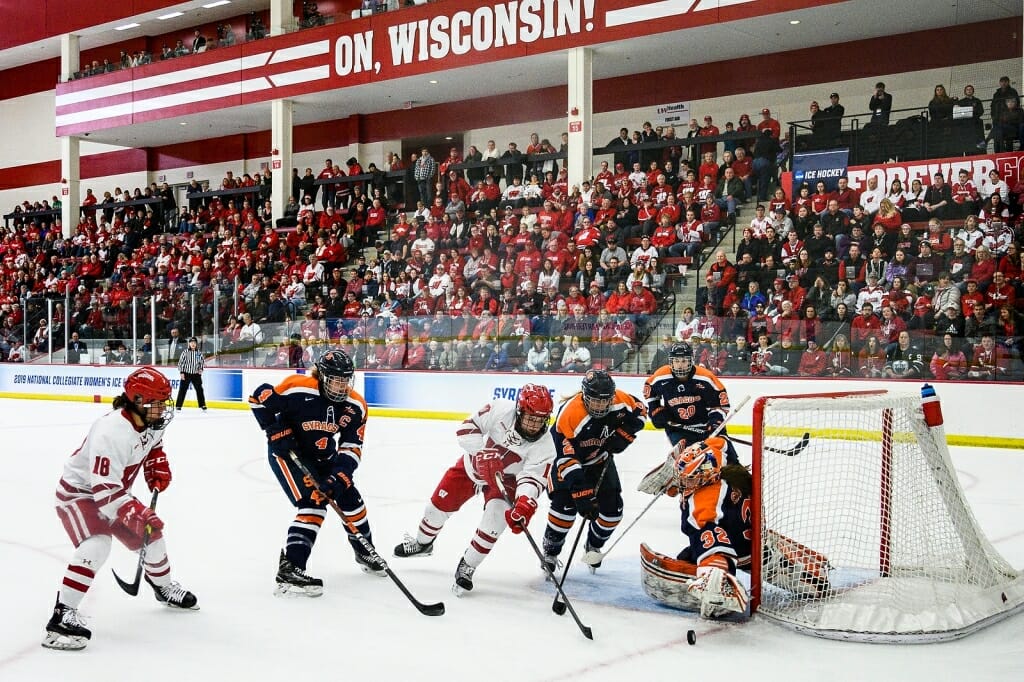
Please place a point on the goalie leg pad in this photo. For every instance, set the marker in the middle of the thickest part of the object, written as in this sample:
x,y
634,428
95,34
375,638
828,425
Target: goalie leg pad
x,y
665,579
720,594
791,566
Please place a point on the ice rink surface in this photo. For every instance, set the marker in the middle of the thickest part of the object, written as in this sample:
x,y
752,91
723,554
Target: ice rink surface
x,y
225,524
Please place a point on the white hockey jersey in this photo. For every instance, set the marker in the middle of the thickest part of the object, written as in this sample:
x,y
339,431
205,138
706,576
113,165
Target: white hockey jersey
x,y
105,465
493,426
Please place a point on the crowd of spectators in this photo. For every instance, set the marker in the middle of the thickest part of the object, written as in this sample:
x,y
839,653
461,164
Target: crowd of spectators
x,y
489,260
894,283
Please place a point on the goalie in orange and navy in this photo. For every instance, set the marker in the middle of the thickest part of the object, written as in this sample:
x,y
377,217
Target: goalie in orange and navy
x,y
322,420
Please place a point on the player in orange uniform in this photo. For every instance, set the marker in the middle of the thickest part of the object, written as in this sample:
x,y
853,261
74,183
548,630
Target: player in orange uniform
x,y
590,428
321,419
688,401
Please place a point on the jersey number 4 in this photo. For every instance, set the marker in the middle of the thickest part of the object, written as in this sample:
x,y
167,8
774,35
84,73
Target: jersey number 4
x,y
101,466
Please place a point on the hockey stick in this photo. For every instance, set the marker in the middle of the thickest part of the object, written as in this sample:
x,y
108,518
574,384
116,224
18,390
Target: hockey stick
x,y
133,587
732,413
587,632
558,606
426,609
801,445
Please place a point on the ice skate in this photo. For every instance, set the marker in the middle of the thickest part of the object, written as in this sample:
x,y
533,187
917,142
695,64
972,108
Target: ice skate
x,y
292,580
371,566
66,630
549,564
463,578
174,595
592,558
411,547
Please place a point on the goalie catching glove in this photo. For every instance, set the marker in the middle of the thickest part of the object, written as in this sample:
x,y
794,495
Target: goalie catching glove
x,y
518,517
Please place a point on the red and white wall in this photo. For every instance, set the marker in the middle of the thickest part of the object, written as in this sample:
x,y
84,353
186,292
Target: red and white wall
x,y
784,82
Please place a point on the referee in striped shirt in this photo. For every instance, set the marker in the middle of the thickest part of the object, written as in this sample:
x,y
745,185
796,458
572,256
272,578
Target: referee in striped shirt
x,y
191,367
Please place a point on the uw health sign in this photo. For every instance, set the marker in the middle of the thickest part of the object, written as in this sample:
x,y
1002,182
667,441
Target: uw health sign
x,y
414,41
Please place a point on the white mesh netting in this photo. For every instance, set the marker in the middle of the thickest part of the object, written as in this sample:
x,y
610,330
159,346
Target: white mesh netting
x,y
906,560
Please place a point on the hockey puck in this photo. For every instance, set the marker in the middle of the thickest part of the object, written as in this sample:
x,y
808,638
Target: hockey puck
x,y
691,637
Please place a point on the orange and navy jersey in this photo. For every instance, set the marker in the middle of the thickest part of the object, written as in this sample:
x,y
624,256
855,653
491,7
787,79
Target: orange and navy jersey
x,y
321,427
700,401
716,518
582,440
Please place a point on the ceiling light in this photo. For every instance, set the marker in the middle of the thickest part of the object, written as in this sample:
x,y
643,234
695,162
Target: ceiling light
x,y
794,22
432,82
183,123
448,137
171,16
211,5
127,26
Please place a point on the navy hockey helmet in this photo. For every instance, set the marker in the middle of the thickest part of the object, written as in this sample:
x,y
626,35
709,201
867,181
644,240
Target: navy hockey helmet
x,y
598,392
334,372
680,358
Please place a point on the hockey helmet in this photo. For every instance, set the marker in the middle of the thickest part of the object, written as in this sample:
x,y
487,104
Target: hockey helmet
x,y
533,410
148,394
680,358
334,372
697,466
598,392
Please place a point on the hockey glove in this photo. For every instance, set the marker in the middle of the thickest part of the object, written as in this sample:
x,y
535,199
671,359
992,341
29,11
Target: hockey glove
x,y
585,497
281,440
488,464
157,471
135,516
338,481
518,517
619,441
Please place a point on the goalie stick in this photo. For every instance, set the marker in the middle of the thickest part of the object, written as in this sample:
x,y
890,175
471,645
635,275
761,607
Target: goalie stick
x,y
558,606
587,632
426,609
800,446
132,588
598,556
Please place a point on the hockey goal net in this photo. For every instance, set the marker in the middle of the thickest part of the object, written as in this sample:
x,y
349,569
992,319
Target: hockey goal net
x,y
865,533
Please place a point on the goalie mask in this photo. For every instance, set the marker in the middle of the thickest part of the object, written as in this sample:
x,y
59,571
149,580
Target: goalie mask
x,y
533,410
334,372
680,359
697,466
598,392
147,393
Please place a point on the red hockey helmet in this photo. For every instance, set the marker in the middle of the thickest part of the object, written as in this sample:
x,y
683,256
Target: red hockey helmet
x,y
533,410
148,393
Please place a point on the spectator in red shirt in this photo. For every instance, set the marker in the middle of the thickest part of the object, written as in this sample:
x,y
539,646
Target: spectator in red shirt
x,y
769,123
721,276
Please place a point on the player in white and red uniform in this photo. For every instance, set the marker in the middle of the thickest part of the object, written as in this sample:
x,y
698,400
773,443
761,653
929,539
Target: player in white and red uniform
x,y
503,438
95,502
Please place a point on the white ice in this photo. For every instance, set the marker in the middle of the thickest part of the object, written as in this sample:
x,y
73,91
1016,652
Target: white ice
x,y
226,519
